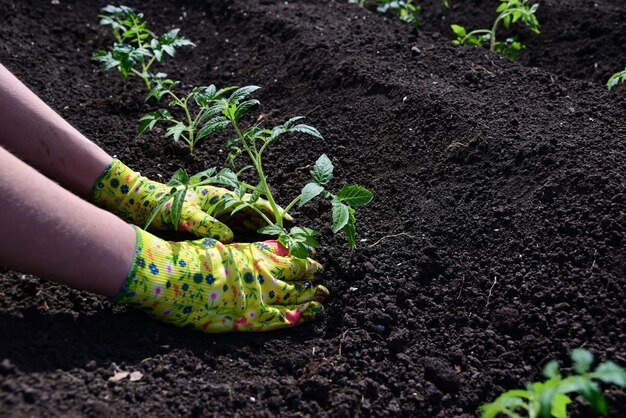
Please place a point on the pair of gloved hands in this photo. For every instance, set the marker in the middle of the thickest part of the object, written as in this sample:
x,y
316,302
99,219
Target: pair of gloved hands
x,y
207,284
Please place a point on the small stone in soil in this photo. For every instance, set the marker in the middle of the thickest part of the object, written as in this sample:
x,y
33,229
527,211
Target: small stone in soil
x,y
6,367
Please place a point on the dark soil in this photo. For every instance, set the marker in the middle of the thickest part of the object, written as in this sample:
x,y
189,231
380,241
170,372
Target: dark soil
x,y
495,242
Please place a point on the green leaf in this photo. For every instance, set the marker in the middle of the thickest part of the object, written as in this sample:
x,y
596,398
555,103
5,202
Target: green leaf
x,y
306,129
309,192
177,206
241,93
551,369
323,170
355,195
271,230
341,215
291,121
459,30
158,208
559,405
582,360
243,108
179,178
298,249
611,373
147,122
217,124
350,228
228,177
176,131
202,176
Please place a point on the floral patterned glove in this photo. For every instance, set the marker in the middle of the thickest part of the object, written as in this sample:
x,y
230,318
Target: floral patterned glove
x,y
133,197
213,287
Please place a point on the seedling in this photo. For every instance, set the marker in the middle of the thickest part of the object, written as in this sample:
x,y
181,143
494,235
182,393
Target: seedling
x,y
406,10
550,398
619,77
510,12
136,48
208,103
217,112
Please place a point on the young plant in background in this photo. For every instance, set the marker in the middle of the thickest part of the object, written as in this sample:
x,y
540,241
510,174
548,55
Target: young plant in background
x,y
216,113
550,398
406,10
510,12
200,113
136,48
619,77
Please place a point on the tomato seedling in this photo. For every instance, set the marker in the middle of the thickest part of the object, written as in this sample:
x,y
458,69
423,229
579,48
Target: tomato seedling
x,y
406,10
201,110
510,11
550,398
619,77
136,48
217,112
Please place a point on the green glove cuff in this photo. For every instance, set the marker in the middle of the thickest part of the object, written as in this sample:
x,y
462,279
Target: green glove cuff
x,y
213,287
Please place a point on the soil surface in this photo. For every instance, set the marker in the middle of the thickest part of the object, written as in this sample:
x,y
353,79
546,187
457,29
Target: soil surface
x,y
495,241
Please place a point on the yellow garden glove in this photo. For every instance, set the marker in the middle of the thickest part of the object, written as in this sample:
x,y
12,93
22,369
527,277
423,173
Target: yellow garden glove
x,y
213,287
133,197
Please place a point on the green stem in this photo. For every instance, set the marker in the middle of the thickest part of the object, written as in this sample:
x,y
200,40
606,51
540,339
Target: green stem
x,y
256,160
291,205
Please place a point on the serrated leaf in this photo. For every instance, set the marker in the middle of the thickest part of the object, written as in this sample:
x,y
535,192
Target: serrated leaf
x,y
176,131
202,176
241,93
582,360
306,129
271,230
551,369
323,170
341,215
179,178
458,30
244,106
157,209
309,192
177,206
611,373
217,124
355,195
291,121
238,208
298,249
227,177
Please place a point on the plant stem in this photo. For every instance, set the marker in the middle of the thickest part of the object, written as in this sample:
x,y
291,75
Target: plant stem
x,y
291,205
256,160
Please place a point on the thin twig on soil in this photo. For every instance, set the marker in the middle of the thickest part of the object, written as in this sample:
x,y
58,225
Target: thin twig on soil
x,y
462,279
392,236
594,261
495,280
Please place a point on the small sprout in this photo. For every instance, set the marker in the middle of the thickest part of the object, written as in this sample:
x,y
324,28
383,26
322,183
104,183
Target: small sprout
x,y
550,398
406,10
510,11
619,77
136,48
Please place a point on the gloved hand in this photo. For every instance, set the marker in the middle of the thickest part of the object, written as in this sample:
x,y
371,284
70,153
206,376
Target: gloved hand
x,y
214,287
133,197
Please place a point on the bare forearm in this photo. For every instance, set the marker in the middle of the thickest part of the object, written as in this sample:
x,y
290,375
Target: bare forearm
x,y
50,232
36,134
